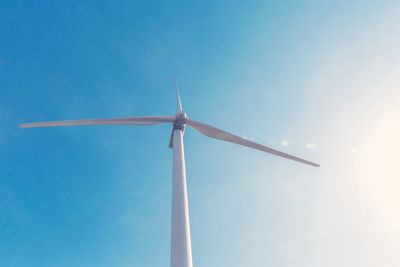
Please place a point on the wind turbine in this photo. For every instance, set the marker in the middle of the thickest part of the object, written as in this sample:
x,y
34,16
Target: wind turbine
x,y
181,248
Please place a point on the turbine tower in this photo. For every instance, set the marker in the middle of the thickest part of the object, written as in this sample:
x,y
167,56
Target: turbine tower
x,y
181,247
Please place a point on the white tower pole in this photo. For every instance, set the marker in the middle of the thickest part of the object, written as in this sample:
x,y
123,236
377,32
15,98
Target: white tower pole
x,y
181,246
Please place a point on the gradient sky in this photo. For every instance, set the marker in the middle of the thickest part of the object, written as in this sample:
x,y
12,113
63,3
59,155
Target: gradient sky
x,y
319,79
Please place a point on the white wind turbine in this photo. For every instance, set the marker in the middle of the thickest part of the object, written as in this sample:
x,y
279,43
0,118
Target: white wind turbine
x,y
181,248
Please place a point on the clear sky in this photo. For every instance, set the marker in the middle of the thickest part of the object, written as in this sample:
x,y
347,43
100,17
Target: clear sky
x,y
319,79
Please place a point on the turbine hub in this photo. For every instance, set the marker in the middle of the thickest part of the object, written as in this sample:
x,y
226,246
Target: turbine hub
x,y
180,120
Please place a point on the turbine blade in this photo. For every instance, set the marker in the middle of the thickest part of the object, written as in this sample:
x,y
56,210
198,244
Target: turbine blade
x,y
216,133
120,121
171,139
178,97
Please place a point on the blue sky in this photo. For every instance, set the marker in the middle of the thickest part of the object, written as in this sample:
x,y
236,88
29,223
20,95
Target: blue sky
x,y
316,79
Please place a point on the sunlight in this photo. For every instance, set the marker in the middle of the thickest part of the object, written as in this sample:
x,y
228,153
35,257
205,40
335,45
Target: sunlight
x,y
378,168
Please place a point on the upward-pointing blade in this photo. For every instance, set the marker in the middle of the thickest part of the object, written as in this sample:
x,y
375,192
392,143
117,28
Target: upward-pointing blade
x,y
216,133
120,121
178,98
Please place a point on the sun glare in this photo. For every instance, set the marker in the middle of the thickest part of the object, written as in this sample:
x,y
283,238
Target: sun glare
x,y
378,169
